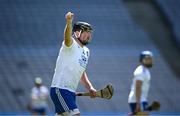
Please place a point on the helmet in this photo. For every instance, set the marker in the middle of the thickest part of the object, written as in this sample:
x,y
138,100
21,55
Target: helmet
x,y
38,80
84,26
145,54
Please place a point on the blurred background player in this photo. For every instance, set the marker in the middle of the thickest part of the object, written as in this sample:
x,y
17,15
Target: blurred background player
x,y
39,97
70,67
141,83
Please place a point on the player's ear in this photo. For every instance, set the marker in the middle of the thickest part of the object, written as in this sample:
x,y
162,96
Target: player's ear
x,y
144,61
78,34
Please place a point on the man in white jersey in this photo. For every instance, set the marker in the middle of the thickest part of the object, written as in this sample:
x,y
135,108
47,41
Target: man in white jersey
x,y
141,83
70,67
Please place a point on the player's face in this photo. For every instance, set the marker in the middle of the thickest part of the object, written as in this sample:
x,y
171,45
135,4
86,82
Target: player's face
x,y
148,62
37,85
85,37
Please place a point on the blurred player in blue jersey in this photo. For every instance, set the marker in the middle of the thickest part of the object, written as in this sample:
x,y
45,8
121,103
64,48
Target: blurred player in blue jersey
x,y
141,83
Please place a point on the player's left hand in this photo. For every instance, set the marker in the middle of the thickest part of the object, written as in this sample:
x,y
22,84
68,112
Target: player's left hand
x,y
92,92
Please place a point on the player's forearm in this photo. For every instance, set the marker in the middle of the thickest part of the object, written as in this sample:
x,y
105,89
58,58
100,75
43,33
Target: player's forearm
x,y
138,95
85,81
68,33
138,91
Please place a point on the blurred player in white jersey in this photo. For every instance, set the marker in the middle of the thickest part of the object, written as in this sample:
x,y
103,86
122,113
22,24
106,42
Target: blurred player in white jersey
x,y
71,67
39,97
141,83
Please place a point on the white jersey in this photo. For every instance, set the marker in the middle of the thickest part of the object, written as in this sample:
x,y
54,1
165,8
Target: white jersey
x,y
70,65
141,73
39,97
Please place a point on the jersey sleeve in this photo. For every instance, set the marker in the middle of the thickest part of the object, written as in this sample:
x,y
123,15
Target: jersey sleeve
x,y
45,90
33,94
139,75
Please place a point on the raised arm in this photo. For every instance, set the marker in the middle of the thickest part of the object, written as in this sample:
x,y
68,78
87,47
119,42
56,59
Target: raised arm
x,y
68,29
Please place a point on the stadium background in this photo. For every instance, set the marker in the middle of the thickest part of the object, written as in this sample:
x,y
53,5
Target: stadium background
x,y
31,32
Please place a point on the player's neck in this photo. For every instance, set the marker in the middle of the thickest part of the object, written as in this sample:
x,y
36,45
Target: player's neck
x,y
145,66
77,40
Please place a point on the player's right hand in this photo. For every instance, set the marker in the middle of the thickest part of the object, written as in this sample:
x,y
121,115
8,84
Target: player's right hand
x,y
69,16
92,92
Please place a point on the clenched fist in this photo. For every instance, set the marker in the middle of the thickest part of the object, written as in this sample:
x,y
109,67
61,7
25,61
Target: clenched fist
x,y
69,16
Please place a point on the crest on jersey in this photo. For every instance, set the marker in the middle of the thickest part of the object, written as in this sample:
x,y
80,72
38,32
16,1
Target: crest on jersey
x,y
84,59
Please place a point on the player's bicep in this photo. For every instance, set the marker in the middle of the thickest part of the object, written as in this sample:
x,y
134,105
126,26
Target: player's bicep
x,y
138,84
82,77
68,41
139,80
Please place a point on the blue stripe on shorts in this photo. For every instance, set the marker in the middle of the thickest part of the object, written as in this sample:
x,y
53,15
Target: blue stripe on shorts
x,y
64,100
